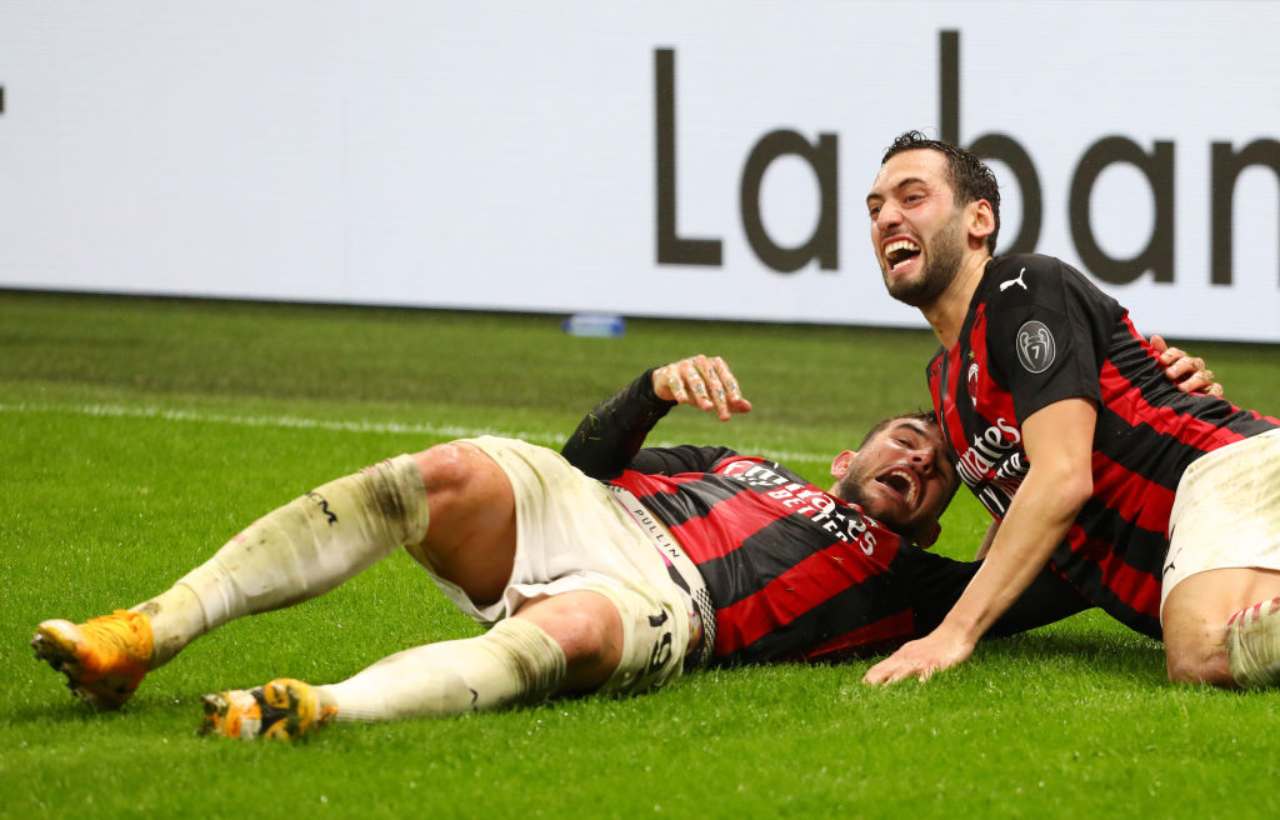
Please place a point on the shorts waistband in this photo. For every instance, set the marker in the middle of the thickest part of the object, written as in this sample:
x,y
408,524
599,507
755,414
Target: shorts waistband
x,y
684,574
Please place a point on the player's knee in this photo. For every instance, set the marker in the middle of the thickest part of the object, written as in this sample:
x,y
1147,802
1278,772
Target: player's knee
x,y
1198,665
444,467
588,640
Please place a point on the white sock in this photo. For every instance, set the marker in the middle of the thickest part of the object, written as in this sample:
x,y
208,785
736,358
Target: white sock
x,y
515,662
297,552
1253,644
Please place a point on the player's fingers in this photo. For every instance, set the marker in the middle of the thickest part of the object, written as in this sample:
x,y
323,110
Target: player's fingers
x,y
1180,369
1158,343
1215,390
715,386
737,402
1171,355
887,672
1199,382
675,384
695,384
875,675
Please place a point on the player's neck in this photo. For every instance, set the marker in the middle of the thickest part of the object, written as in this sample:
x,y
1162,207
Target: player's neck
x,y
946,314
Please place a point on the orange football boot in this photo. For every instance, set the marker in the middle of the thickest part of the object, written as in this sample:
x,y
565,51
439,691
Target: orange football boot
x,y
284,709
104,659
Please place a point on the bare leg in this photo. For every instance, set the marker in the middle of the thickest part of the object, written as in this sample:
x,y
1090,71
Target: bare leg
x,y
472,539
1196,616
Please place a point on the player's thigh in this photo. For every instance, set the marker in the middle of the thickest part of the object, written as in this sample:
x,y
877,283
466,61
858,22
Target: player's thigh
x,y
1195,618
471,534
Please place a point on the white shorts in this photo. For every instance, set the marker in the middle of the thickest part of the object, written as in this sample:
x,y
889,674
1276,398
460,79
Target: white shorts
x,y
1226,513
572,535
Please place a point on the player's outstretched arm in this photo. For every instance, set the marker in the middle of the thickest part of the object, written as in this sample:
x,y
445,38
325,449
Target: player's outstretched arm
x,y
1059,444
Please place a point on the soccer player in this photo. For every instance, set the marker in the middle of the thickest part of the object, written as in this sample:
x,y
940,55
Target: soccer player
x,y
1162,508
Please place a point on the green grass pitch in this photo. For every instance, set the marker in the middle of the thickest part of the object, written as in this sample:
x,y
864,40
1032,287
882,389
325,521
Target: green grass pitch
x,y
136,436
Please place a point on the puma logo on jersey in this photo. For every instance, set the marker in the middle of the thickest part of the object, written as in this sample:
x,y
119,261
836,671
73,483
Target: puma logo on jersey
x,y
1008,283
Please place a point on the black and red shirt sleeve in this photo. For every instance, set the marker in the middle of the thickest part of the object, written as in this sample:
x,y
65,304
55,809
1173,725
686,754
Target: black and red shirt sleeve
x,y
1046,332
609,439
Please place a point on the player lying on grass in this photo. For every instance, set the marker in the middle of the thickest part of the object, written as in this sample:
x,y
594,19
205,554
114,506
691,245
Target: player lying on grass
x,y
1160,507
684,557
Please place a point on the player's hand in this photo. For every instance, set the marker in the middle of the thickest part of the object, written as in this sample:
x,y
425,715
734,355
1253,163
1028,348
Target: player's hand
x,y
938,650
704,382
1187,372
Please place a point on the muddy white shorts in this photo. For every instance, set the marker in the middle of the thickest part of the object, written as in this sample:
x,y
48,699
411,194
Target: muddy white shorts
x,y
573,535
1226,513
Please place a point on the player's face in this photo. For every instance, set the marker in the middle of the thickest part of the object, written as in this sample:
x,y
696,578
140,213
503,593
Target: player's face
x,y
918,233
901,477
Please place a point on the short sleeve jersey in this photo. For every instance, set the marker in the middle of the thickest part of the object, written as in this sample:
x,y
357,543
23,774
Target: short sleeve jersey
x,y
1038,332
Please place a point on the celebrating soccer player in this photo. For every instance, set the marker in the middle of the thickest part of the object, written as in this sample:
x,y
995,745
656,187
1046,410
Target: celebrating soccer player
x,y
1162,508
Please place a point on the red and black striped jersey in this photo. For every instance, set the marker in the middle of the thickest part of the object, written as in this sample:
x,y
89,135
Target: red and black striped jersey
x,y
1038,332
794,572
791,569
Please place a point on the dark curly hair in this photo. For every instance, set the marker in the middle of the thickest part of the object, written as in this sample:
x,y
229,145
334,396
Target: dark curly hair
x,y
971,179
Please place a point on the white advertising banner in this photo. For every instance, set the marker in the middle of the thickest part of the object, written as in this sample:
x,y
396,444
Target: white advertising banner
x,y
664,159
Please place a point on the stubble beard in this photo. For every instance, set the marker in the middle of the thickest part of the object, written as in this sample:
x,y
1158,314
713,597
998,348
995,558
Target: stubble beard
x,y
945,254
849,488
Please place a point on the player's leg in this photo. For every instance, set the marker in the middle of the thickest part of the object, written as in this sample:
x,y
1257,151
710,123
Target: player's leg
x,y
584,602
607,638
1222,627
294,553
1220,614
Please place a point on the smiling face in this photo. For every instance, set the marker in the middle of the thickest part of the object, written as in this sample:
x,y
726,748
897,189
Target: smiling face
x,y
901,476
918,232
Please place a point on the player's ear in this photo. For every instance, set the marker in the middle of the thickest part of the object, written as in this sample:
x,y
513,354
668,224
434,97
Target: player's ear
x,y
840,464
981,219
927,534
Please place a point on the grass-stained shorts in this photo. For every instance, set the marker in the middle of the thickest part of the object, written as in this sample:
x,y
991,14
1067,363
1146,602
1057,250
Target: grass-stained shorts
x,y
1227,512
573,535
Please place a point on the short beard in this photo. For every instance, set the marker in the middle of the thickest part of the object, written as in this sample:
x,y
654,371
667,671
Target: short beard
x,y
849,488
945,253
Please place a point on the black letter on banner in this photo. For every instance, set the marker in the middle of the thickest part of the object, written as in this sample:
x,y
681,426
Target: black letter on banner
x,y
672,250
1227,166
1157,167
1000,147
823,243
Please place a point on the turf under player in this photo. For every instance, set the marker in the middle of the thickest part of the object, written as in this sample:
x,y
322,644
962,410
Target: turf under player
x,y
1162,508
687,556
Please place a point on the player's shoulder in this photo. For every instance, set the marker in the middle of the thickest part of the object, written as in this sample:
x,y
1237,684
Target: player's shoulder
x,y
1034,280
1025,279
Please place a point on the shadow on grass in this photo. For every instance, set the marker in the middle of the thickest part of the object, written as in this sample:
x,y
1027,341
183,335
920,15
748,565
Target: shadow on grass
x,y
70,710
1128,656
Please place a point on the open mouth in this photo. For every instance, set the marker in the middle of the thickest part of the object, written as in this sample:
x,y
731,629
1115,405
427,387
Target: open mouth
x,y
904,484
899,252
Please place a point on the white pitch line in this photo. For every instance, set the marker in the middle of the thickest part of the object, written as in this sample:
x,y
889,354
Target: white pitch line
x,y
448,431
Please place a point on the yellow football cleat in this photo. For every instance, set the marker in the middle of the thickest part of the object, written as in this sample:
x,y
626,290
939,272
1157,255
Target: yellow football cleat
x,y
284,709
104,659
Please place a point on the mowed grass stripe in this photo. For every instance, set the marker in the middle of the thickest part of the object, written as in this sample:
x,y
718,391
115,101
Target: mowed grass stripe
x,y
440,431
